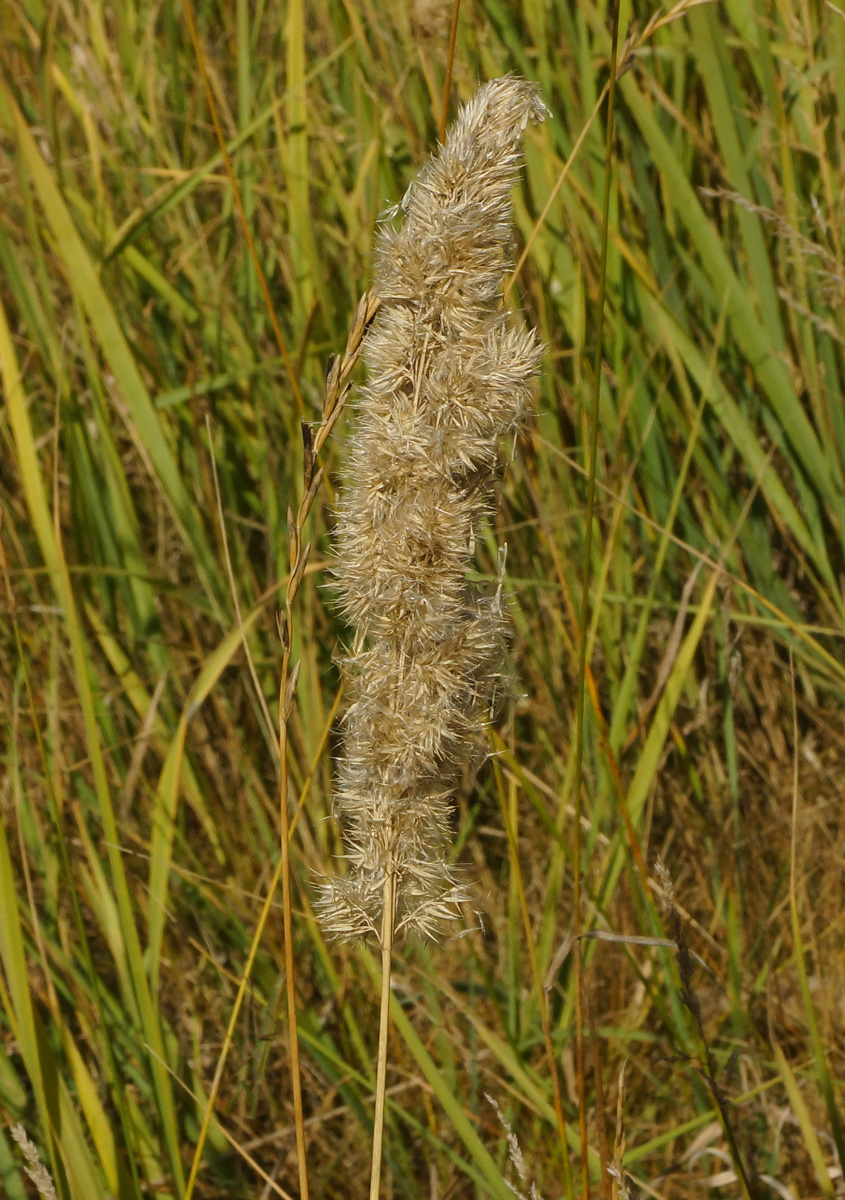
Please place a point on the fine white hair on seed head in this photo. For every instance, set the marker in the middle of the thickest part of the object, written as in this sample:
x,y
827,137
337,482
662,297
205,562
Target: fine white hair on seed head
x,y
449,374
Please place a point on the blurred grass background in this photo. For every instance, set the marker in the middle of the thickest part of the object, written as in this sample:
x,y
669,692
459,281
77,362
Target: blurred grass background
x,y
139,783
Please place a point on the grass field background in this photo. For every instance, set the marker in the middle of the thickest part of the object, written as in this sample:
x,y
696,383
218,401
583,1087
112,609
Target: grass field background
x,y
147,395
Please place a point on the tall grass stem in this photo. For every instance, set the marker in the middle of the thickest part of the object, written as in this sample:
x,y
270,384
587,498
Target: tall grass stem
x,y
450,62
387,925
585,599
287,919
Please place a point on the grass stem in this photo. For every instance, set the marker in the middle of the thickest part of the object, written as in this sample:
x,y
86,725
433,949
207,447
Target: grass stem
x,y
290,978
450,61
387,925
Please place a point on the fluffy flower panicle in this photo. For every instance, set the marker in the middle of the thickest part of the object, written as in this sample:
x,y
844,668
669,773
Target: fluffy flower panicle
x,y
449,374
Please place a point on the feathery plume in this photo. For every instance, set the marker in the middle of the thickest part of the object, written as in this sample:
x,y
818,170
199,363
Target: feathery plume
x,y
449,375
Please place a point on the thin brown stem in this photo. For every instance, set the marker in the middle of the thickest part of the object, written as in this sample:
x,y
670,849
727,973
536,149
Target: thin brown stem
x,y
387,923
583,624
450,60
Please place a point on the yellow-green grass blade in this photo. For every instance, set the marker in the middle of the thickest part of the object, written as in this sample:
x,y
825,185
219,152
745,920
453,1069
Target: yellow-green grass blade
x,y
751,337
530,1089
799,1107
739,431
164,813
83,1176
13,1096
344,1075
307,269
19,1006
172,194
11,1182
221,382
102,903
721,85
805,633
134,259
86,1180
823,1077
635,1154
117,515
68,1150
62,967
624,696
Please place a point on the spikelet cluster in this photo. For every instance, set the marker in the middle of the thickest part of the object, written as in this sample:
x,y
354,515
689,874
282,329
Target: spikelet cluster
x,y
448,375
36,1170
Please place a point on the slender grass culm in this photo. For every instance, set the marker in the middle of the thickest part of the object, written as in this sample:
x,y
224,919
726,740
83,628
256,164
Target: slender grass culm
x,y
450,373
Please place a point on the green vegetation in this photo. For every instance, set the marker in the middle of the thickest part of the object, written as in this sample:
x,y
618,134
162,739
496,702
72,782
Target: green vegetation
x,y
148,389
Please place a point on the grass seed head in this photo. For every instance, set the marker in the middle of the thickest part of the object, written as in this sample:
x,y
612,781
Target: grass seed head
x,y
448,376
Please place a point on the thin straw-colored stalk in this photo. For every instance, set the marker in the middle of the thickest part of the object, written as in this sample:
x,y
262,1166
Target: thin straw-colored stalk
x,y
286,689
387,925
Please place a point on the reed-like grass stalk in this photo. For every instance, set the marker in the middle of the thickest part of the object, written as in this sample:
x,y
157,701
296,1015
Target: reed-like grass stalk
x,y
450,373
